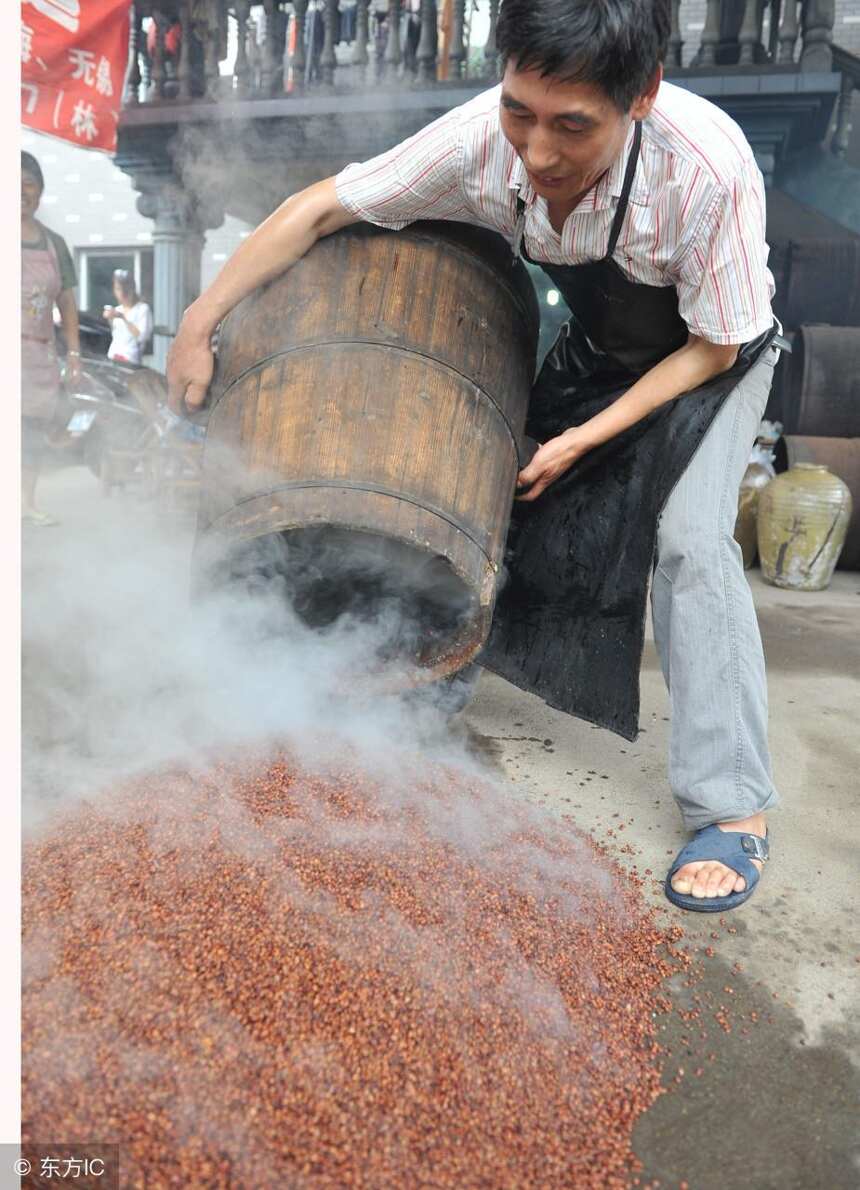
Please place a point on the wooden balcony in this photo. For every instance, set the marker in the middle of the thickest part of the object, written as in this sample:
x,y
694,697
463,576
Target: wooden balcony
x,y
312,85
231,107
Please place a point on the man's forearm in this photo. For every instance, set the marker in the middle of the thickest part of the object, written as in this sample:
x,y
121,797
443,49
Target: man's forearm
x,y
684,370
277,243
693,364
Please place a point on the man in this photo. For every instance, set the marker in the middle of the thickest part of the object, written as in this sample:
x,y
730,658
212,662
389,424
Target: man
x,y
645,205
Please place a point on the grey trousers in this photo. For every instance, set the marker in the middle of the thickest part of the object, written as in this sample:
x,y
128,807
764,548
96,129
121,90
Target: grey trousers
x,y
705,625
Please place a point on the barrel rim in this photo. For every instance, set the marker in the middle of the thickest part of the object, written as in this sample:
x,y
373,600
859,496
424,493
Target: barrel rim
x,y
458,653
448,234
345,485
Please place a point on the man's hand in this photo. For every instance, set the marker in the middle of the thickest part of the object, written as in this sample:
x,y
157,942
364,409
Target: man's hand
x,y
189,368
281,240
681,372
551,461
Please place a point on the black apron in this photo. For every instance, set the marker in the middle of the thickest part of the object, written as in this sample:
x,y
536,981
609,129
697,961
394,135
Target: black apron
x,y
569,623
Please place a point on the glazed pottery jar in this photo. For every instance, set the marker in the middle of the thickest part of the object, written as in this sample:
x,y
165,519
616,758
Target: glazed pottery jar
x,y
756,477
803,517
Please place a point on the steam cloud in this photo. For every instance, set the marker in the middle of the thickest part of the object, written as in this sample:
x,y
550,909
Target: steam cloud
x,y
124,673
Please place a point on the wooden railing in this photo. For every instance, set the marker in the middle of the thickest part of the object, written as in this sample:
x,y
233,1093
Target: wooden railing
x,y
280,48
849,67
760,32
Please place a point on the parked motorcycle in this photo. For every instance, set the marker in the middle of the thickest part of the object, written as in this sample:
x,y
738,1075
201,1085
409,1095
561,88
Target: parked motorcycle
x,y
117,422
102,410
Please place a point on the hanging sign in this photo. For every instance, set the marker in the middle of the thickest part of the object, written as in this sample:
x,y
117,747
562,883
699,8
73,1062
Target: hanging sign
x,y
74,56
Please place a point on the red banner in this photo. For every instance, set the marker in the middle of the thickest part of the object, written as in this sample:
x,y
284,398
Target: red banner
x,y
74,55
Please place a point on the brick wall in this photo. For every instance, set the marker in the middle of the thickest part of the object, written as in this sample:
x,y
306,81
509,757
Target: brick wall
x,y
846,28
692,24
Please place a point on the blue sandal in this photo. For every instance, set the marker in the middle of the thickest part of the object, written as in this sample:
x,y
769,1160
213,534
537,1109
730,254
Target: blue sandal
x,y
732,848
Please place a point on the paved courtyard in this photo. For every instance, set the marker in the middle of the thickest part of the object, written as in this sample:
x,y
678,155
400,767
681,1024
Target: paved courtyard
x,y
779,1105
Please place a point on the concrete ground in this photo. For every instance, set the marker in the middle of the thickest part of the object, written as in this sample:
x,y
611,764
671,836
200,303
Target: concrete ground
x,y
779,1106
773,1102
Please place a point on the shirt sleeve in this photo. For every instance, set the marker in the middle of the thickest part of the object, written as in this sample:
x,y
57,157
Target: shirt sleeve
x,y
724,285
68,276
421,178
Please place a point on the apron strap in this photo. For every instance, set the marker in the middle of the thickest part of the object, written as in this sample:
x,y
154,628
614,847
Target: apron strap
x,y
519,229
629,174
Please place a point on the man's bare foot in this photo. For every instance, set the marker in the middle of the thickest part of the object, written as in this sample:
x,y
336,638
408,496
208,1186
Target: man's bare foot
x,y
709,878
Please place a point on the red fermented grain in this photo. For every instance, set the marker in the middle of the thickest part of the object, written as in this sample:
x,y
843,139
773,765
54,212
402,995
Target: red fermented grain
x,y
258,976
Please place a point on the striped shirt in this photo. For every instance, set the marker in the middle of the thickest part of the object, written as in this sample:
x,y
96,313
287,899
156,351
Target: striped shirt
x,y
696,217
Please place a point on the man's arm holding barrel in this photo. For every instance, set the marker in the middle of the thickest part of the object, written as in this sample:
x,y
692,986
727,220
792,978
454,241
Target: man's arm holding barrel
x,y
282,239
421,178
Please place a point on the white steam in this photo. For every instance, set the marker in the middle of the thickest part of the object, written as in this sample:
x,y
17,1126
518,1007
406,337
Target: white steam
x,y
124,673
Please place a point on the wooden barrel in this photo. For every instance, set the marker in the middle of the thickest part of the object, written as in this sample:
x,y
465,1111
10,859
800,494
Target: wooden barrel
x,y
842,457
821,394
817,279
366,423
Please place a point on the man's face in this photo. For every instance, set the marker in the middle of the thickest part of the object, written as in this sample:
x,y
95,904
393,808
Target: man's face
x,y
566,134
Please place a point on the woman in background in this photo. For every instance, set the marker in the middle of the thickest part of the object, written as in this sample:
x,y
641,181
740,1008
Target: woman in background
x,y
131,320
47,280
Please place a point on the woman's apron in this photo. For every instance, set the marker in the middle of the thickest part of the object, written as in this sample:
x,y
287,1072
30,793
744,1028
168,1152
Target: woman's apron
x,y
41,285
569,624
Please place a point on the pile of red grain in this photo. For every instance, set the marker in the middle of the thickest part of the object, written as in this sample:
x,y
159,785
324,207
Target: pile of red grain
x,y
270,978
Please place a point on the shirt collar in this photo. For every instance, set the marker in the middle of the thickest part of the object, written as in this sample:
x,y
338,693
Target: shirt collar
x,y
608,188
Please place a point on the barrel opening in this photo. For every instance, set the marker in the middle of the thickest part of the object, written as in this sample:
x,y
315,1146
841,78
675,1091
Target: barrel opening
x,y
420,612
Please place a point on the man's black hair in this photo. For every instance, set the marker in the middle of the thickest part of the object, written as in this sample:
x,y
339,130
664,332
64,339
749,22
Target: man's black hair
x,y
615,44
30,165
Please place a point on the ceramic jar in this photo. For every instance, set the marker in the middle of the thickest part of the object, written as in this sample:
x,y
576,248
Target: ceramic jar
x,y
803,517
756,477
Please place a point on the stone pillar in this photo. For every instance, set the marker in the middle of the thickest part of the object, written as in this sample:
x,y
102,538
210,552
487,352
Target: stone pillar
x,y
178,237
